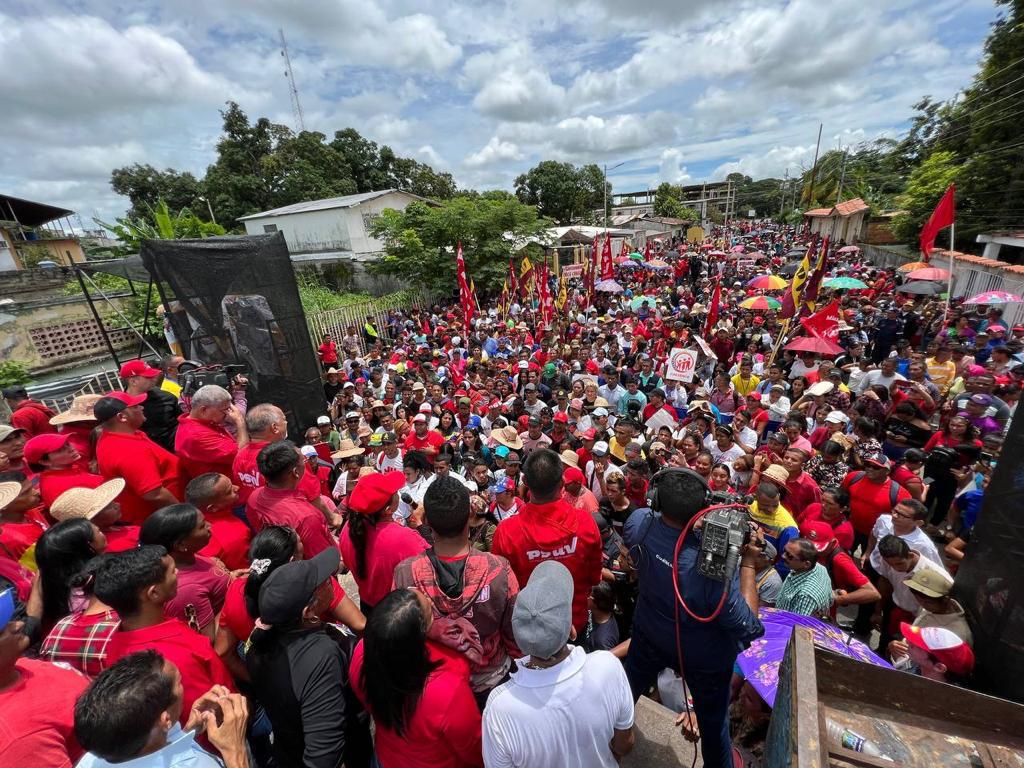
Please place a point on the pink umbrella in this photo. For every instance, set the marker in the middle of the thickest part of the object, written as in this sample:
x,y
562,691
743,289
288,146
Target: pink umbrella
x,y
849,249
994,297
738,249
929,273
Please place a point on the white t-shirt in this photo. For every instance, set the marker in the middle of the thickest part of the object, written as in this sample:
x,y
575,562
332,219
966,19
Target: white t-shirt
x,y
564,715
877,377
385,463
916,539
900,591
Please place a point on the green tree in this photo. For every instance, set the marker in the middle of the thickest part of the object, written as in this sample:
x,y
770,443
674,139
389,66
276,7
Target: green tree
x,y
666,201
13,372
420,241
563,191
144,185
925,186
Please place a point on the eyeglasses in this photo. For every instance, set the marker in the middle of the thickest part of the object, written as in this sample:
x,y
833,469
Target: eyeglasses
x,y
903,515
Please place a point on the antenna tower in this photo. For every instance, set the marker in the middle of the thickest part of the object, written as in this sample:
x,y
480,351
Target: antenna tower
x,y
300,121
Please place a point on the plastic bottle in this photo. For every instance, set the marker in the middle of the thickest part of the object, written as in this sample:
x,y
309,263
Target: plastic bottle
x,y
848,739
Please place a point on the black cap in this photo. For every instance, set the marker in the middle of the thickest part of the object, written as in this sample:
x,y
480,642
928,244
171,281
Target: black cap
x,y
15,392
534,421
288,590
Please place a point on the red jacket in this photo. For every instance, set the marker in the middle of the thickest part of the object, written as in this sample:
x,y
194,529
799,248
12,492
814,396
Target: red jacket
x,y
553,531
33,417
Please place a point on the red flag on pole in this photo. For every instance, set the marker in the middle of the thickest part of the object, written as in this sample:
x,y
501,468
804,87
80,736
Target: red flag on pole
x,y
824,323
716,299
943,215
810,296
607,268
465,295
647,251
623,249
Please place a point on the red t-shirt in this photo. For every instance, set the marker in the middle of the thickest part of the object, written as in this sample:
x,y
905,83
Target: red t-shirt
x,y
203,447
801,493
869,500
37,716
841,528
144,465
328,353
244,473
53,482
387,544
279,506
432,439
229,540
34,418
200,666
845,573
444,730
121,538
554,531
203,586
18,538
235,616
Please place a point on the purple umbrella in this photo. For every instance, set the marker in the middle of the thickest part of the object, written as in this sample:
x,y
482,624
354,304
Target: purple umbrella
x,y
760,662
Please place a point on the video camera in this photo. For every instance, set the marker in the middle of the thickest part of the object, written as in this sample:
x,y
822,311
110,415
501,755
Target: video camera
x,y
725,531
194,375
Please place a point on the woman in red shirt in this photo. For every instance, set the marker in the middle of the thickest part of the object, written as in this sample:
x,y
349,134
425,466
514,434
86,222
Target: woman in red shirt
x,y
417,692
833,509
182,530
957,431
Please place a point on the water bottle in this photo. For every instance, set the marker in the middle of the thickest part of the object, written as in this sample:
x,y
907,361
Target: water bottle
x,y
848,739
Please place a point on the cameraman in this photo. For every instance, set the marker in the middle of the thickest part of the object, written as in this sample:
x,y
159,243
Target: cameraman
x,y
708,650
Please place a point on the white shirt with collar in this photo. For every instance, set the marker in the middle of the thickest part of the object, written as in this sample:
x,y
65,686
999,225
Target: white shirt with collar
x,y
564,715
916,539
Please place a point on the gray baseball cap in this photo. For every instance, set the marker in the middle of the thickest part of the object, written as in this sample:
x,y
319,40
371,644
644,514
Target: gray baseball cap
x,y
542,617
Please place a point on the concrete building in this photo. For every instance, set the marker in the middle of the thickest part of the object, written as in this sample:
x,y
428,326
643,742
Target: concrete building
x,y
718,196
843,223
995,242
337,228
32,232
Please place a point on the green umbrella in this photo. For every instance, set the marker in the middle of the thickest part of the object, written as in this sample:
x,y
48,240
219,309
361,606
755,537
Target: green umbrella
x,y
845,282
638,302
636,255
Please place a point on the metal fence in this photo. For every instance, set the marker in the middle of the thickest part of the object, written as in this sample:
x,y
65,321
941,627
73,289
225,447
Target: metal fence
x,y
337,321
59,395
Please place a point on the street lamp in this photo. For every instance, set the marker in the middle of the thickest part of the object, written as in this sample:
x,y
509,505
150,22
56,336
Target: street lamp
x,y
606,169
209,208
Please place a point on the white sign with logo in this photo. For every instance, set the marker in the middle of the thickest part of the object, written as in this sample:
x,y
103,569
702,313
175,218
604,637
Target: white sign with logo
x,y
681,364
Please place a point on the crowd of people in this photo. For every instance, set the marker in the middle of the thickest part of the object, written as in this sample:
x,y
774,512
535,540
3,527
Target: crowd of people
x,y
169,568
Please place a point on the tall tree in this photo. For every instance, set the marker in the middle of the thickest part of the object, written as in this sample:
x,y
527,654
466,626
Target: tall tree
x,y
145,186
563,191
421,239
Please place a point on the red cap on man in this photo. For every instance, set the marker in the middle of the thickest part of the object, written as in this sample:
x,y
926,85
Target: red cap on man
x,y
138,368
947,648
819,533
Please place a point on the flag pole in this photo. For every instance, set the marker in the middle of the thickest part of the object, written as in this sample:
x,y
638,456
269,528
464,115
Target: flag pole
x,y
949,287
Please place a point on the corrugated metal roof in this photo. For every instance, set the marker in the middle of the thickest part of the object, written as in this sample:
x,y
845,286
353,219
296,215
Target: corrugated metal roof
x,y
347,201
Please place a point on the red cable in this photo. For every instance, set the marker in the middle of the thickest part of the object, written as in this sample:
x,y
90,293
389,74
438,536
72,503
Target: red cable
x,y
675,570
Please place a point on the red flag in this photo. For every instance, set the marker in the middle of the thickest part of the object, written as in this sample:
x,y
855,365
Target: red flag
x,y
607,268
425,325
623,249
716,299
824,323
465,295
942,217
647,251
810,295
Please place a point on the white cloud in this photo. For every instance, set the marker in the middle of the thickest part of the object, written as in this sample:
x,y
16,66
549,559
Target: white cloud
x,y
495,151
429,155
775,162
513,85
671,168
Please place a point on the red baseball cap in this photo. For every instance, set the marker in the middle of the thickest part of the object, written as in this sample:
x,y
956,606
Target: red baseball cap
x,y
589,434
572,475
40,445
943,644
113,403
373,492
819,533
138,368
561,417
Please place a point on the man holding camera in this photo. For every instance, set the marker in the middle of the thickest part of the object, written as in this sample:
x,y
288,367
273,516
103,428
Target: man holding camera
x,y
664,635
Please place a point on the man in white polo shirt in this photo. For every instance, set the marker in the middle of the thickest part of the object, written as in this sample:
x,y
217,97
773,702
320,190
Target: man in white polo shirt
x,y
563,706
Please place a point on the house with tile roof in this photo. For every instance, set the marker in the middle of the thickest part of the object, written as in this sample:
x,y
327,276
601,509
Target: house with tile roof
x,y
844,223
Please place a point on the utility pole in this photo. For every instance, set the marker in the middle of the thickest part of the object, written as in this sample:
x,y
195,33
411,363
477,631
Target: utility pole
x,y
300,121
814,168
782,197
842,176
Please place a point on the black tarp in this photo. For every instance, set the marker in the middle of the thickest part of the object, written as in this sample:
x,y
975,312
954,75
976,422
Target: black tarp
x,y
990,581
235,300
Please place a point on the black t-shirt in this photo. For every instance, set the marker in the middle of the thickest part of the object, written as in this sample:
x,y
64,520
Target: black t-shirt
x,y
600,637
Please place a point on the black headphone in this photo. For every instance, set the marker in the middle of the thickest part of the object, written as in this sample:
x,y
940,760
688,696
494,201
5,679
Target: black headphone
x,y
652,489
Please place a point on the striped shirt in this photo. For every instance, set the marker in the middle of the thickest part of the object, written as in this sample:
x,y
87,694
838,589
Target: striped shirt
x,y
808,593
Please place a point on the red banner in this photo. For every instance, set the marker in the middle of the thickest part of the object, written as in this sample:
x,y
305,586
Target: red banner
x,y
607,268
465,295
824,323
942,217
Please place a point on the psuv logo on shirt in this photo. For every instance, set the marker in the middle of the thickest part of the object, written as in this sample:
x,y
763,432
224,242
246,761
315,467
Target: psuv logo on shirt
x,y
543,554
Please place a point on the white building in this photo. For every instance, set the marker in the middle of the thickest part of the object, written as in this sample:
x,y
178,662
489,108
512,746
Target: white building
x,y
331,229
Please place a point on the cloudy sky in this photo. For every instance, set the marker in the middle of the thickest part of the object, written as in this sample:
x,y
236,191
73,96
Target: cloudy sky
x,y
675,90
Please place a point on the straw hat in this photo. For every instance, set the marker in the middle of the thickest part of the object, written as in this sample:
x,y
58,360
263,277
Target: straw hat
x,y
570,459
600,402
86,502
8,493
346,449
80,410
777,473
508,437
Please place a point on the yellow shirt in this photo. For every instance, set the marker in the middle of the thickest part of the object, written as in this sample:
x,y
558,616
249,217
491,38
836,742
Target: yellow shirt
x,y
171,386
941,374
744,388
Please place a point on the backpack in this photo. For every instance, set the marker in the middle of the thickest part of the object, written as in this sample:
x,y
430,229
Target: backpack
x,y
894,487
